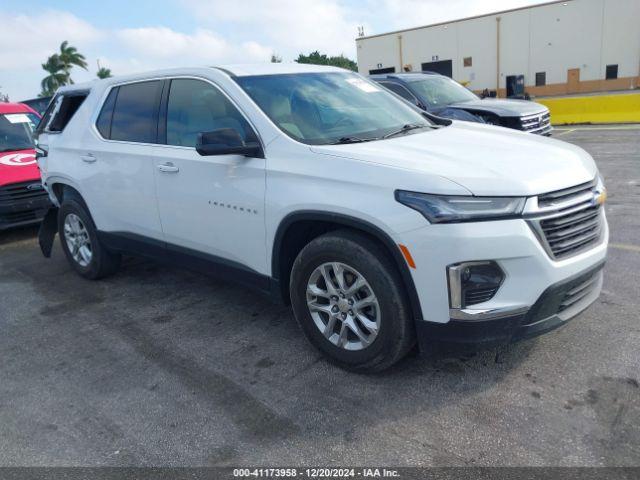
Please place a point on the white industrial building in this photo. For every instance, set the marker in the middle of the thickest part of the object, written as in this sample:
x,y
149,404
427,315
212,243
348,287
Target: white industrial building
x,y
561,47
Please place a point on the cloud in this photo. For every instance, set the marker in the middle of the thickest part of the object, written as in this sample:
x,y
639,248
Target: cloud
x,y
162,45
226,31
29,39
293,27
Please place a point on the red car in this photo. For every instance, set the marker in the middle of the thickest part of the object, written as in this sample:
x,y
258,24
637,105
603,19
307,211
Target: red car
x,y
23,201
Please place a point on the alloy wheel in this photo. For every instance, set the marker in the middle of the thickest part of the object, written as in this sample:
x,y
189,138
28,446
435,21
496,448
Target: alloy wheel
x,y
343,306
78,241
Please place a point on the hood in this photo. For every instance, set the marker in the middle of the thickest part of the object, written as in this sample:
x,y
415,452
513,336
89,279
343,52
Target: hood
x,y
18,166
484,159
502,107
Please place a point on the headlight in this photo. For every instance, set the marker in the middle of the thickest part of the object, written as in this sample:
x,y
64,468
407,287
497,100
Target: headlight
x,y
452,209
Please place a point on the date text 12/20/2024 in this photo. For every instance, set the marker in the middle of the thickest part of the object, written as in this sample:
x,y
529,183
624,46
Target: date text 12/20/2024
x,y
316,472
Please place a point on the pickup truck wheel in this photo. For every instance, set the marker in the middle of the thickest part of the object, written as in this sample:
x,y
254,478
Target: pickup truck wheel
x,y
80,243
348,298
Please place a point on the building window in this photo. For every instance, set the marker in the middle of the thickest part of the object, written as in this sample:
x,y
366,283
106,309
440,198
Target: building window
x,y
541,79
612,72
377,71
468,61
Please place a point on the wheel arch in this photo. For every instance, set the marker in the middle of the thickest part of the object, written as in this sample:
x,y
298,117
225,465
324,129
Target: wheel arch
x,y
297,229
62,189
58,186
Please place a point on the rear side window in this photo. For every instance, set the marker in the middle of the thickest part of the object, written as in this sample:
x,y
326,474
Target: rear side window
x,y
62,110
103,124
400,90
135,115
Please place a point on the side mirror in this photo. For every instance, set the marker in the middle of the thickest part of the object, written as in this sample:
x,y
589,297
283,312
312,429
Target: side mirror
x,y
226,141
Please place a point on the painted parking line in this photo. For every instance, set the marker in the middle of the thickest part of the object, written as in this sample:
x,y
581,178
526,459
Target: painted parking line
x,y
588,129
624,246
564,132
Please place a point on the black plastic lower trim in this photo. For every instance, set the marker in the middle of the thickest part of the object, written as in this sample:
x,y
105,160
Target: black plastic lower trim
x,y
211,265
543,317
15,213
47,231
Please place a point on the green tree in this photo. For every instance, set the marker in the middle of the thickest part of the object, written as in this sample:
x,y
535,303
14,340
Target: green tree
x,y
70,57
317,58
59,66
104,73
275,58
56,78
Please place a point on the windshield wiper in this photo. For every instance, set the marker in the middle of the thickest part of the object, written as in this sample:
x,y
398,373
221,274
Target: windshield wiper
x,y
344,140
406,128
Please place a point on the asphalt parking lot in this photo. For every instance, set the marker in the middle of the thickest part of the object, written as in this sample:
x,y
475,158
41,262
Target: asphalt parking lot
x,y
160,366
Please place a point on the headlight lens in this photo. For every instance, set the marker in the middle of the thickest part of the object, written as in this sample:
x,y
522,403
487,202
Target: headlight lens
x,y
452,209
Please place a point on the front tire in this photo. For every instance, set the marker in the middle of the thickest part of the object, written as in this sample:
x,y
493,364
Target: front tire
x,y
80,243
349,300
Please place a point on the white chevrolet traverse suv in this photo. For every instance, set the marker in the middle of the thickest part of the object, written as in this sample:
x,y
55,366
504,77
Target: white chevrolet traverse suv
x,y
382,226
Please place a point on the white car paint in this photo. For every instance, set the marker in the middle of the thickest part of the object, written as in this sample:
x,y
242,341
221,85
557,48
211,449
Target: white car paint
x,y
199,207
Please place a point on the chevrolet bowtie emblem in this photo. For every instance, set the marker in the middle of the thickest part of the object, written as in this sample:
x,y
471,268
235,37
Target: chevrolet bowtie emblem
x,y
600,197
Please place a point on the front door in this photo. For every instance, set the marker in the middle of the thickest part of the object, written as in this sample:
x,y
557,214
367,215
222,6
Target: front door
x,y
573,80
212,205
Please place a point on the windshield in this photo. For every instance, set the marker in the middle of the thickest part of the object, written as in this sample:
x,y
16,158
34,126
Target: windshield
x,y
326,108
16,131
440,91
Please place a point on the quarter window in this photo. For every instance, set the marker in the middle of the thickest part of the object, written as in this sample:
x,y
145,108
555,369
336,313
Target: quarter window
x,y
195,107
103,124
62,110
136,112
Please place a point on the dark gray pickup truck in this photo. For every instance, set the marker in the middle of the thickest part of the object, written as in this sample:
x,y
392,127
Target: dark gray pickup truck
x,y
446,98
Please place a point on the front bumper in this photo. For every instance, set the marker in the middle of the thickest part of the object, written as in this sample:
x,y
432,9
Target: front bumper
x,y
21,206
533,280
554,308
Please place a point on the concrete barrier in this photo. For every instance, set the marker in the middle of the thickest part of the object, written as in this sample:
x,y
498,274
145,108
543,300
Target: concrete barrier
x,y
619,108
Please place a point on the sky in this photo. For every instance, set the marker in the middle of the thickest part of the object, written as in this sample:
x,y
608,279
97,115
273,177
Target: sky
x,y
130,36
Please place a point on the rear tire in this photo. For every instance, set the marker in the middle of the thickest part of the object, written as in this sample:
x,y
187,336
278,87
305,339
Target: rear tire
x,y
360,317
80,243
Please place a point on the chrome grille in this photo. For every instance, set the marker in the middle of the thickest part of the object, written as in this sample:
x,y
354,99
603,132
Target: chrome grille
x,y
583,192
572,233
538,123
568,221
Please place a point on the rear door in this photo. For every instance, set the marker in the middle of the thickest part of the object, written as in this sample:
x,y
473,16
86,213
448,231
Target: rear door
x,y
116,162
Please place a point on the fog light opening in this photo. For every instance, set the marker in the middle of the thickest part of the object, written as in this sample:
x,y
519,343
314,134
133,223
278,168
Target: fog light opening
x,y
471,283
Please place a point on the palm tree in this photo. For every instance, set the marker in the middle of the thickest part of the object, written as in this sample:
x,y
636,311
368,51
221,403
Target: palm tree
x,y
104,73
56,78
59,66
70,57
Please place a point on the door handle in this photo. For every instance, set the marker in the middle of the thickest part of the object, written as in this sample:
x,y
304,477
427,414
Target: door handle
x,y
88,158
168,168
